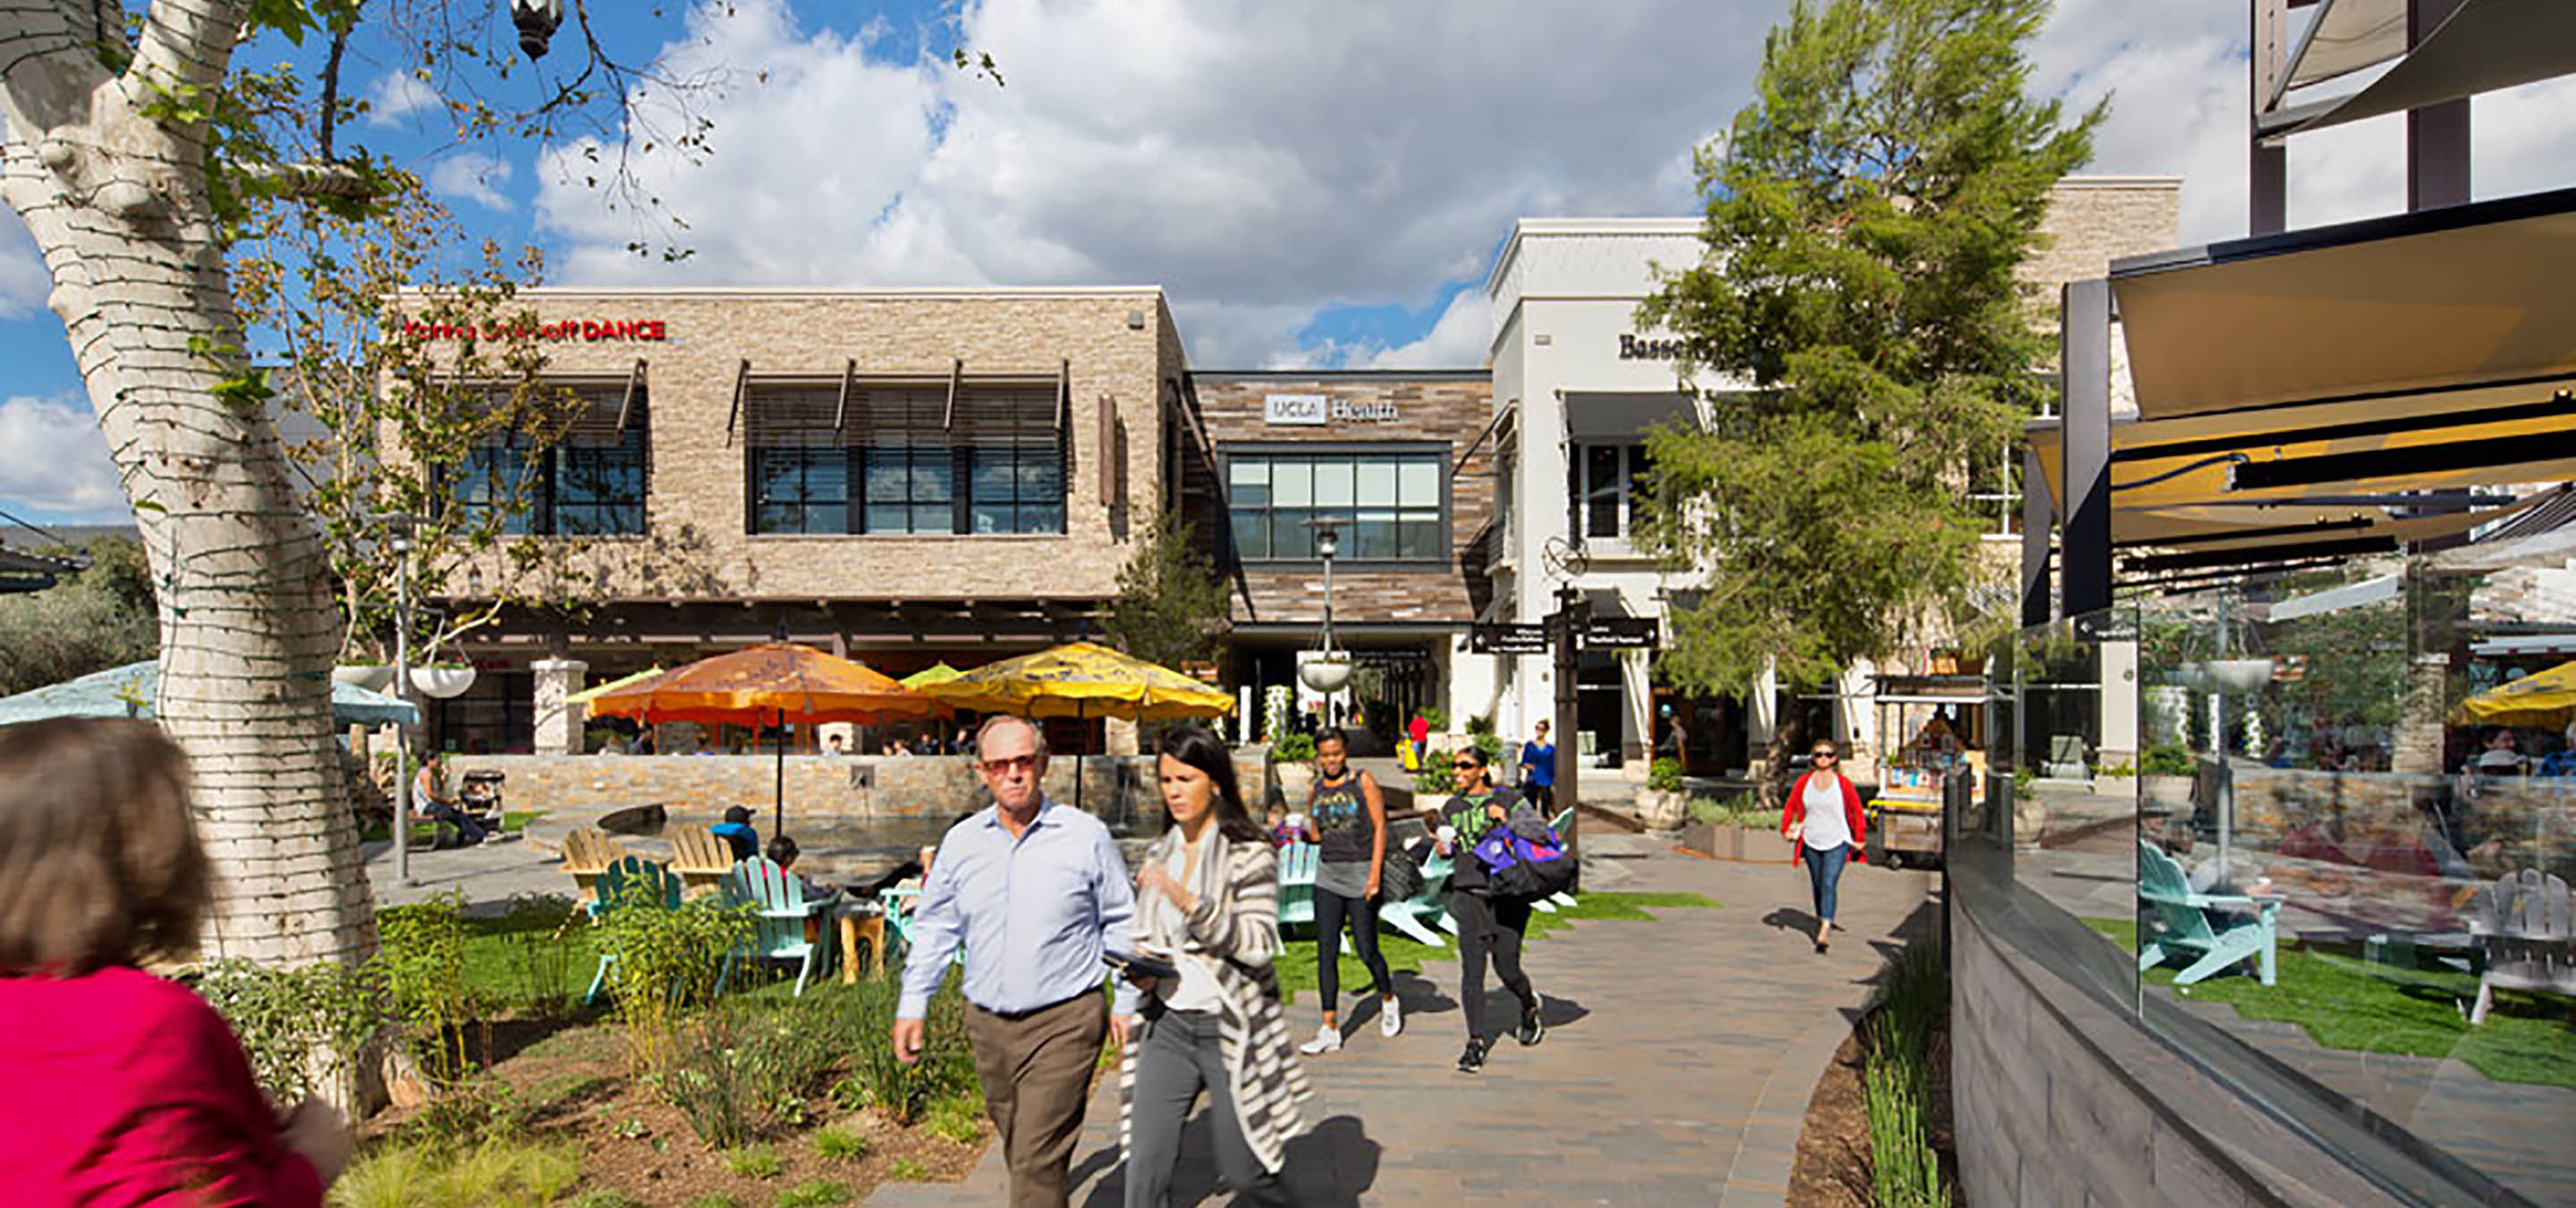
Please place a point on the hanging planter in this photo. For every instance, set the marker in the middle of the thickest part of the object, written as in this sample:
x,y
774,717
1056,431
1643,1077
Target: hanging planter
x,y
1328,674
442,682
374,677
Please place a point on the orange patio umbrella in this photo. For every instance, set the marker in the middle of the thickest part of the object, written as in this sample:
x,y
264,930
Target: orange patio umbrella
x,y
774,684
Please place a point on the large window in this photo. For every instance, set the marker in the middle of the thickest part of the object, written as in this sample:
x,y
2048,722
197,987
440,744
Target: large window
x,y
1605,485
588,482
1390,507
907,457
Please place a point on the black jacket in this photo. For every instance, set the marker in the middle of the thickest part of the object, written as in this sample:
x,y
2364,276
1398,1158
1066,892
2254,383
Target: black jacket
x,y
1466,872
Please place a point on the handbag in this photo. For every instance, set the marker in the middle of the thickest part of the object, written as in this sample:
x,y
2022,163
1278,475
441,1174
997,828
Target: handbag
x,y
1399,876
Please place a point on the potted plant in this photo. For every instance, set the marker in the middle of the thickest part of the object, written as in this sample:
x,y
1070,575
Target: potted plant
x,y
2165,775
442,680
374,677
1662,805
1292,766
1733,828
1327,673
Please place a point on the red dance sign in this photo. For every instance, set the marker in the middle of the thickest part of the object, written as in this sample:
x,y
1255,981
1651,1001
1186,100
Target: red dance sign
x,y
589,331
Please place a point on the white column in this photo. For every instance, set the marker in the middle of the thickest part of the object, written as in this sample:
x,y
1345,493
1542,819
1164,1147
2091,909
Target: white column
x,y
1856,719
2119,720
558,725
1761,712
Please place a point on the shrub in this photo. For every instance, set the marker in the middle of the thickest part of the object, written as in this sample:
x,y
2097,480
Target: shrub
x,y
297,1025
754,1162
1481,725
2166,759
840,1144
908,1171
442,1176
1438,777
1905,1170
1438,718
667,965
817,1193
957,1117
1664,776
1295,746
876,1079
422,954
540,956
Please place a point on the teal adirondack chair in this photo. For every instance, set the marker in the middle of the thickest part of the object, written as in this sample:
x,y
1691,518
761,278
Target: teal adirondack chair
x,y
1432,903
901,902
782,911
1297,884
630,883
2176,922
1548,904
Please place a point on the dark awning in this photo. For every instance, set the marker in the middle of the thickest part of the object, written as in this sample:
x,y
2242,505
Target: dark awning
x,y
2482,46
1623,415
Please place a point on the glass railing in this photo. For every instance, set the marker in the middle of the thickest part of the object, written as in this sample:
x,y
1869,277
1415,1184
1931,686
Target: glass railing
x,y
2318,834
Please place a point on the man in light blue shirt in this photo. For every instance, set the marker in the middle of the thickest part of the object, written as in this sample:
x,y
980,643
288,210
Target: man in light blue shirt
x,y
1035,890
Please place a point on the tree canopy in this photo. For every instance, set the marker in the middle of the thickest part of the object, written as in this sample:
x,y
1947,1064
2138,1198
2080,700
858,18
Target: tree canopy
x,y
1170,606
1865,218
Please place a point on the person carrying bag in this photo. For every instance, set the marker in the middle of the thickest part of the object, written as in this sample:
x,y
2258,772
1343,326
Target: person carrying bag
x,y
1491,921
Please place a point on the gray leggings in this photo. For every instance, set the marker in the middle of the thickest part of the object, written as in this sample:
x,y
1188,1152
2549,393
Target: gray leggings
x,y
1179,1055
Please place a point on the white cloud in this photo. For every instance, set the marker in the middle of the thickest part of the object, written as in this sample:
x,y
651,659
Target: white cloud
x,y
1461,338
398,95
1199,146
25,283
52,459
472,176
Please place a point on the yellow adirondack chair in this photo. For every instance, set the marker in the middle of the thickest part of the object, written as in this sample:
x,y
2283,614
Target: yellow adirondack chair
x,y
702,859
587,853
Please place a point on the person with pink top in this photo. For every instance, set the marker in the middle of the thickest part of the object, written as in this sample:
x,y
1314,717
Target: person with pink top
x,y
124,1089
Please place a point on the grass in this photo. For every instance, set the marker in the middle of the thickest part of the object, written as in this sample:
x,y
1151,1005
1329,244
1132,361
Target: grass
x,y
959,1118
840,1144
908,1171
425,834
753,1162
603,1198
2342,1003
496,964
496,1173
1296,962
815,1193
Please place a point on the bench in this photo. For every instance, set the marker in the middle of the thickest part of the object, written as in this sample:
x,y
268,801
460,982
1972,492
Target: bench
x,y
2523,927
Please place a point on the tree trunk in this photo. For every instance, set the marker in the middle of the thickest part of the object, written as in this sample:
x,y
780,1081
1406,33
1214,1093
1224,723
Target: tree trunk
x,y
118,202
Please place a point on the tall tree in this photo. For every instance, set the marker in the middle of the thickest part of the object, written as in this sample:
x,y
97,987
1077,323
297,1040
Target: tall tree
x,y
1171,606
1865,216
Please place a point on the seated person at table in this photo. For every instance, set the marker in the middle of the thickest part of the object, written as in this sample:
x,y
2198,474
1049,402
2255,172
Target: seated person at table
x,y
783,852
427,802
736,831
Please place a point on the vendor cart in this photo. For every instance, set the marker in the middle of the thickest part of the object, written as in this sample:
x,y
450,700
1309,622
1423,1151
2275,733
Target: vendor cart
x,y
1932,730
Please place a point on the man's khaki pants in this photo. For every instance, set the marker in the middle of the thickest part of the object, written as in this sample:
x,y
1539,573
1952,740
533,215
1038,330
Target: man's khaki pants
x,y
1036,1071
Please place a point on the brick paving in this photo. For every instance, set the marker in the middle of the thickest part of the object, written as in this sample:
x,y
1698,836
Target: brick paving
x,y
1677,1070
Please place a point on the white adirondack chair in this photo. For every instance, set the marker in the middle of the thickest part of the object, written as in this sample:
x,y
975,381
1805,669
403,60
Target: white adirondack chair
x,y
2524,926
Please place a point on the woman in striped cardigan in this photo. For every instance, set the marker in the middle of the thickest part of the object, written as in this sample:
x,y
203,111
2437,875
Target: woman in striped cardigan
x,y
1208,902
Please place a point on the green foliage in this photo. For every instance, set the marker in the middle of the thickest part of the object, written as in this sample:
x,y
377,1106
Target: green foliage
x,y
748,1064
100,618
1664,775
908,1171
1743,811
535,930
422,956
1171,607
667,965
2166,759
493,1174
1439,719
1293,746
1437,778
1905,1169
2352,663
291,1019
753,1162
1866,216
820,1193
605,1198
840,1144
876,1079
958,1117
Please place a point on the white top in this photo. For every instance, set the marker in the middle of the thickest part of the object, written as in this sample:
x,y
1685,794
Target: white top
x,y
1825,828
1198,990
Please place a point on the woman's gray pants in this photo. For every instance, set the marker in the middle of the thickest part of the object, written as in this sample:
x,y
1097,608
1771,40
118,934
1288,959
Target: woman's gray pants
x,y
1178,1056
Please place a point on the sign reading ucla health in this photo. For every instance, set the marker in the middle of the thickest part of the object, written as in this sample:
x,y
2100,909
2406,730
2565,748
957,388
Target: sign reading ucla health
x,y
587,331
1320,409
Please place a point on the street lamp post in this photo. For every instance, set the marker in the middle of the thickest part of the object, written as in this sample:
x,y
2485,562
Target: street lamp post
x,y
1326,674
401,544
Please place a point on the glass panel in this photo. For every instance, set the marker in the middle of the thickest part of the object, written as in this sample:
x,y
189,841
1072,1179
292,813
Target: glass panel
x,y
773,518
1292,483
1372,537
996,475
1289,536
1251,534
1377,482
1600,468
1333,483
888,518
992,518
1042,517
934,477
827,518
1419,485
1041,475
1601,516
1420,536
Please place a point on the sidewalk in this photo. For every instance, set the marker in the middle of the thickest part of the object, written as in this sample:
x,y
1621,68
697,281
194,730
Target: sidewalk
x,y
1677,1069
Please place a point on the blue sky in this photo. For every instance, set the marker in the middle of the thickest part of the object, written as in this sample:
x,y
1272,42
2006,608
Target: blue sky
x,y
1320,183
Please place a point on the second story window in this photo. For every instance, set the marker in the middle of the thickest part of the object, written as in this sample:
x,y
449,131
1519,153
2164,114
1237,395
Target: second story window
x,y
1391,507
906,457
589,481
1604,489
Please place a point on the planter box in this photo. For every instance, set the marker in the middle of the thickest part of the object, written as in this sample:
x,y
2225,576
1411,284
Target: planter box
x,y
1723,842
374,677
1662,810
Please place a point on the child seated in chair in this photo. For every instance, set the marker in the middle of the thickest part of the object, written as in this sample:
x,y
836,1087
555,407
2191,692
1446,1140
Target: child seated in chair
x,y
783,852
736,831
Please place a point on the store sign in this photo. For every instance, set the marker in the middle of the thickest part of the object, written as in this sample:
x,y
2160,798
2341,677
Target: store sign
x,y
1633,347
1622,633
1507,639
1316,410
587,331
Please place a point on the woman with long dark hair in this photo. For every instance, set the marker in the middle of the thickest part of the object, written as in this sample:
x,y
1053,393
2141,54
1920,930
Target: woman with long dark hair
x,y
1207,902
1348,815
1822,820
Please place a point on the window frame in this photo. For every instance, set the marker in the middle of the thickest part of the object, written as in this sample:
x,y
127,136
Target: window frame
x,y
1581,490
540,518
956,447
1437,453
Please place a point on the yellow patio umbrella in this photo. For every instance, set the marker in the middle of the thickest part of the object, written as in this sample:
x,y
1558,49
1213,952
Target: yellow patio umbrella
x,y
2543,698
936,673
1082,680
593,692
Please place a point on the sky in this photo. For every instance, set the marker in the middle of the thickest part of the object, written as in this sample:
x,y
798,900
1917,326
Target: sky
x,y
1315,184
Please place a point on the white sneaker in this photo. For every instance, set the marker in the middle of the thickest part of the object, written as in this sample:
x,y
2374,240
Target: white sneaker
x,y
1390,1022
1328,1039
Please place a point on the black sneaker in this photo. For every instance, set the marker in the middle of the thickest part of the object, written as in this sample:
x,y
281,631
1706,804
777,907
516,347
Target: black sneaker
x,y
1473,1060
1532,1029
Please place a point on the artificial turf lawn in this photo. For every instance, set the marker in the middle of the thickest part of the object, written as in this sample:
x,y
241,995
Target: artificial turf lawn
x,y
1296,962
2342,1003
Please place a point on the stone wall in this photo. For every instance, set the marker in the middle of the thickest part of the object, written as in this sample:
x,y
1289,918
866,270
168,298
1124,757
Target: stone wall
x,y
2064,1103
856,786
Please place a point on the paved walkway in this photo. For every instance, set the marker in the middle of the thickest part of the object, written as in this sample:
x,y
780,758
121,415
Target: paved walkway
x,y
1677,1071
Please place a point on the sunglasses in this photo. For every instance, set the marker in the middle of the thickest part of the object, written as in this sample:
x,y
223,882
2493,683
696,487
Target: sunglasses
x,y
1825,756
1471,764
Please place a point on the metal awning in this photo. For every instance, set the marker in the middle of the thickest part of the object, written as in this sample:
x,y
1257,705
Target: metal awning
x,y
2484,45
1624,415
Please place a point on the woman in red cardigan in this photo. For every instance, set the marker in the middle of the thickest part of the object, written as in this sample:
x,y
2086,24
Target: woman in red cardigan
x,y
123,1089
1825,836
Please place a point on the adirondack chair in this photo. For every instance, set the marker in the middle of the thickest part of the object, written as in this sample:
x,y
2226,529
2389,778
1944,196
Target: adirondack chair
x,y
1297,884
586,853
703,860
1563,818
631,883
1432,903
2524,926
783,911
900,903
2178,922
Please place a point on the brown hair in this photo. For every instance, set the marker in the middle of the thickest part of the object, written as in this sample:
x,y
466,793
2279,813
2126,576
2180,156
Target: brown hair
x,y
99,859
